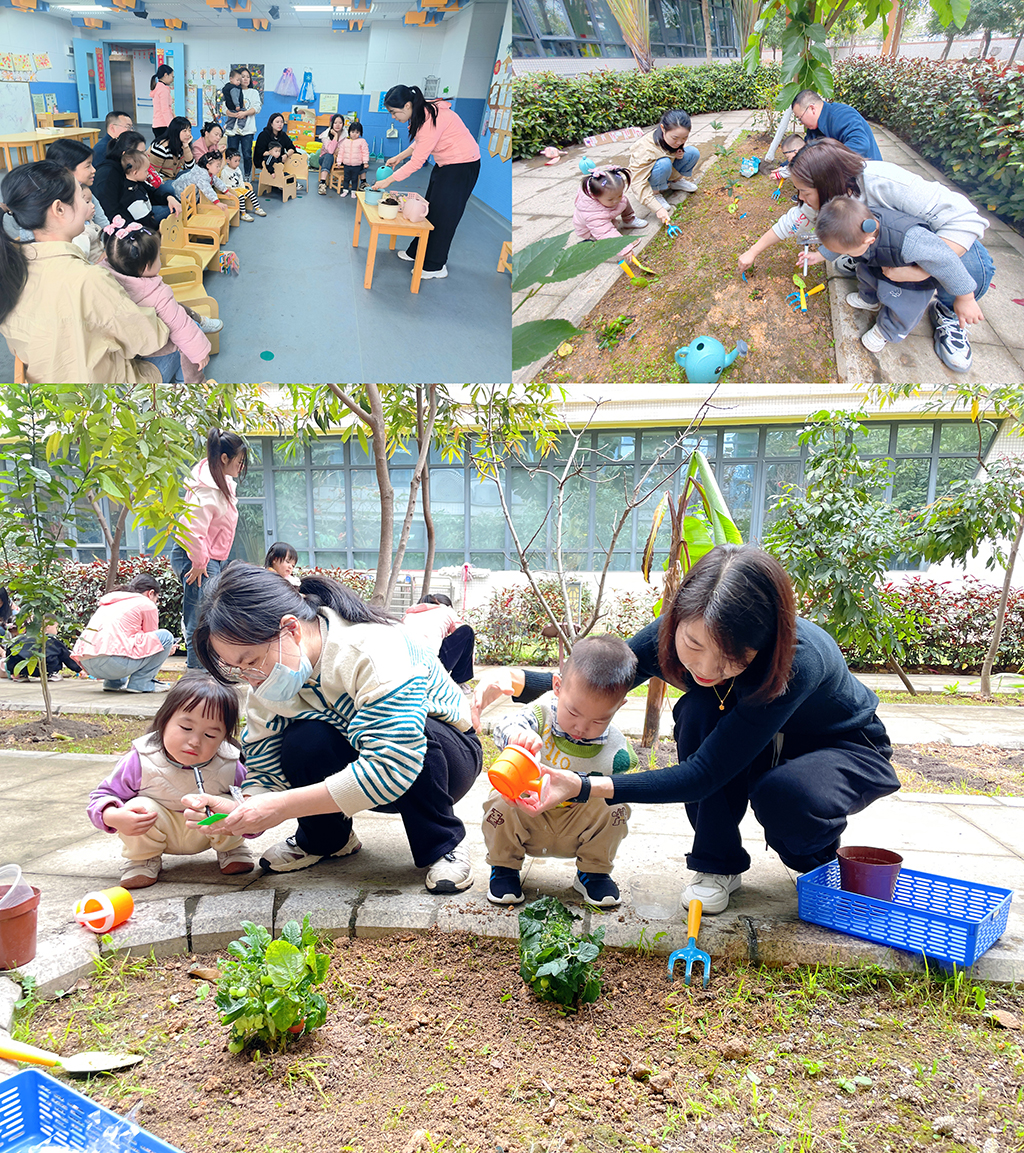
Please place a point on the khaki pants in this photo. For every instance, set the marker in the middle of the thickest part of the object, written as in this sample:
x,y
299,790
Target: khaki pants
x,y
170,834
591,833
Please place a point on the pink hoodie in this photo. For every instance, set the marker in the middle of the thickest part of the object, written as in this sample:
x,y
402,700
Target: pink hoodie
x,y
449,140
593,220
210,532
152,292
124,625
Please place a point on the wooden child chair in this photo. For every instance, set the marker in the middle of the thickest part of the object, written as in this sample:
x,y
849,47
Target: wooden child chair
x,y
336,179
195,215
177,250
278,179
297,165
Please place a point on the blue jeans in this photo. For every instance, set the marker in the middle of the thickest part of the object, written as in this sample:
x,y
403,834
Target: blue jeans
x,y
137,673
979,264
193,596
667,169
170,367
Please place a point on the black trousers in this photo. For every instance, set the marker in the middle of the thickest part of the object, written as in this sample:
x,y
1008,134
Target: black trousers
x,y
313,750
448,191
801,796
351,177
456,654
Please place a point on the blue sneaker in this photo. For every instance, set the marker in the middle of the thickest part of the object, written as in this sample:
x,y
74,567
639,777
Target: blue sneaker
x,y
505,888
597,889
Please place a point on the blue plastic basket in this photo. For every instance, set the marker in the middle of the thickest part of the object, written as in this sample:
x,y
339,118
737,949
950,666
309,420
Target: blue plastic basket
x,y
35,1108
940,917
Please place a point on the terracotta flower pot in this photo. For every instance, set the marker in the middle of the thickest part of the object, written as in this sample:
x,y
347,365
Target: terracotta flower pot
x,y
869,872
18,931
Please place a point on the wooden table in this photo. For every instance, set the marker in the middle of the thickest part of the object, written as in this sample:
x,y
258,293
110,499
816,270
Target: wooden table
x,y
70,119
393,228
32,145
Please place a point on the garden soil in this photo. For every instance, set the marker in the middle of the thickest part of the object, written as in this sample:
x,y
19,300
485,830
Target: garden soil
x,y
434,1043
699,292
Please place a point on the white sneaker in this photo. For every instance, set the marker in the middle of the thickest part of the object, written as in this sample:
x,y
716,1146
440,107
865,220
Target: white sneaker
x,y
636,223
873,340
246,217
855,300
235,861
403,255
440,274
451,873
712,890
140,874
54,677
210,324
682,186
951,344
286,856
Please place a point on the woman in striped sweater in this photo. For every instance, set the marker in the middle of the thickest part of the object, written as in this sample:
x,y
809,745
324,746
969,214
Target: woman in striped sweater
x,y
346,712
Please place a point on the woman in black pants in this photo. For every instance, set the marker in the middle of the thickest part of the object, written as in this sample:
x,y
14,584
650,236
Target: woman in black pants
x,y
345,713
771,717
434,129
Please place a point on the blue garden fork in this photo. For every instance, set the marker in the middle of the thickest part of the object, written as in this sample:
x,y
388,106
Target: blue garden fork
x,y
691,953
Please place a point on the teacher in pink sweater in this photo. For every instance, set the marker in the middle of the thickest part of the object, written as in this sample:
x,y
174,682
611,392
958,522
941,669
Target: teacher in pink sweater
x,y
202,545
434,128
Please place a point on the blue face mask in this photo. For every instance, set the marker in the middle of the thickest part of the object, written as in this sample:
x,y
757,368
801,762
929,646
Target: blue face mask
x,y
283,683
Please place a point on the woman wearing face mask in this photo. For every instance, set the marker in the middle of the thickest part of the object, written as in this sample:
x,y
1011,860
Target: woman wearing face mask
x,y
771,717
346,712
202,545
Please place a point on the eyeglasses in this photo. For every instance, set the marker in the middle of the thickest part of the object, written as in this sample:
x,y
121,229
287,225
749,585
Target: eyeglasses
x,y
254,674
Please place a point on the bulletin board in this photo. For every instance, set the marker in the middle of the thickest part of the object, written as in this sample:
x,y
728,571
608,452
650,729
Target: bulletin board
x,y
16,107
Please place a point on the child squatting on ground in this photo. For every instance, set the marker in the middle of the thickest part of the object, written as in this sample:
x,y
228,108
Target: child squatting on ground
x,y
143,799
571,729
884,242
599,202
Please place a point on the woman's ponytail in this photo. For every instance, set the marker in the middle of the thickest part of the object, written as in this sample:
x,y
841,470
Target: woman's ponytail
x,y
228,444
402,94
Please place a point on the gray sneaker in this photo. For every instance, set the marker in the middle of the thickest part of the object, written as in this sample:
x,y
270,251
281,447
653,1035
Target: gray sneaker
x,y
845,265
140,874
951,344
286,856
451,873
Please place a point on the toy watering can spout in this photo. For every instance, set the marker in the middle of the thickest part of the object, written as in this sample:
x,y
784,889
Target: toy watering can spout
x,y
739,350
681,354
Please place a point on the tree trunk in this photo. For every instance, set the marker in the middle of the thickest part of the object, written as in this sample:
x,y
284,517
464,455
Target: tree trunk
x,y
428,518
1013,54
115,549
949,44
891,47
985,43
652,714
997,632
44,683
706,17
414,487
897,668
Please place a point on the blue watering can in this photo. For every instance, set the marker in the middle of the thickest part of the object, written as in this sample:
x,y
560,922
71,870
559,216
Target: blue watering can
x,y
586,165
705,359
384,172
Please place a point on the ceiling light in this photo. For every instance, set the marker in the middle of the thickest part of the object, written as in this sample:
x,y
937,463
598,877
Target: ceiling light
x,y
83,7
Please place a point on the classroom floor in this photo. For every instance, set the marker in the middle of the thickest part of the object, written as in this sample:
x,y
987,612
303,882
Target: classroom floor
x,y
299,295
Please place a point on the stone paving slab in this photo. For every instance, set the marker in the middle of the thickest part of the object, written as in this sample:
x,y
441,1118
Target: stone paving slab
x,y
217,921
542,207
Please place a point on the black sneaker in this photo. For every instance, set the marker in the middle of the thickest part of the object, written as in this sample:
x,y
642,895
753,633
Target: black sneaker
x,y
597,889
951,344
505,888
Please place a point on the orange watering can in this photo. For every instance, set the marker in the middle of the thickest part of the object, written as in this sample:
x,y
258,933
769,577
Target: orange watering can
x,y
515,772
104,909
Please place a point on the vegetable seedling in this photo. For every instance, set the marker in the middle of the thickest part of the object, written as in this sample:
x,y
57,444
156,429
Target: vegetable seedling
x,y
556,964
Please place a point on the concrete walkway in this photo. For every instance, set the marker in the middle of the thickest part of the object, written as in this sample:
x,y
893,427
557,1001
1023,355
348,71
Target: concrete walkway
x,y
44,828
542,203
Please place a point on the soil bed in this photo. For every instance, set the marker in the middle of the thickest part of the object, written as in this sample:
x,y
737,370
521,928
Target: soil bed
x,y
434,1043
698,291
60,729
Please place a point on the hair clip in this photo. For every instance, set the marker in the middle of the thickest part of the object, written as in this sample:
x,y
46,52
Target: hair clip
x,y
869,225
118,228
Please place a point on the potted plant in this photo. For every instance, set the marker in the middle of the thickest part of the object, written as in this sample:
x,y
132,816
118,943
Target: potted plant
x,y
388,207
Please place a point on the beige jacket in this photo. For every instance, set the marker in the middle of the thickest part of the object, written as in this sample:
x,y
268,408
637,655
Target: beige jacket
x,y
642,156
74,324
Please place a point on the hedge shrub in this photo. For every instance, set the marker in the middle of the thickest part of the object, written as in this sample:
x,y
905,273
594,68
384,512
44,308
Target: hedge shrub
x,y
965,118
561,110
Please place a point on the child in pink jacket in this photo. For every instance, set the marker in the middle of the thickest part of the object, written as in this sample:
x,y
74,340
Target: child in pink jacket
x,y
354,157
599,202
133,259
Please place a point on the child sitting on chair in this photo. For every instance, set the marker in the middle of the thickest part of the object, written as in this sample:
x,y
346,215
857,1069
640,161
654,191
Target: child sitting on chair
x,y
600,201
234,178
570,728
354,155
272,157
205,175
133,258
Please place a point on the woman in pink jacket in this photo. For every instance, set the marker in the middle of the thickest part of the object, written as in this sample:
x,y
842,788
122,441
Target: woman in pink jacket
x,y
435,128
161,88
202,546
121,645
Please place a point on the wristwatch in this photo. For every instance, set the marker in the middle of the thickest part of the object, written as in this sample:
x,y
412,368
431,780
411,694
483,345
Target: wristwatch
x,y
583,795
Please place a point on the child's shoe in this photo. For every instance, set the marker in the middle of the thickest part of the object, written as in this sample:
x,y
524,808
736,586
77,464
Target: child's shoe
x,y
855,300
140,874
505,888
247,218
873,340
259,212
235,861
210,324
597,889
636,223
343,192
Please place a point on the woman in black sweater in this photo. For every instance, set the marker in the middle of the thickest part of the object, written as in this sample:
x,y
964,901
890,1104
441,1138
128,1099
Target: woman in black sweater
x,y
771,717
116,193
274,133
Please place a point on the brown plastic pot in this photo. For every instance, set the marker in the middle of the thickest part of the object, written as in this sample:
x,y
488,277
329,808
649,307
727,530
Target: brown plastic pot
x,y
869,872
18,931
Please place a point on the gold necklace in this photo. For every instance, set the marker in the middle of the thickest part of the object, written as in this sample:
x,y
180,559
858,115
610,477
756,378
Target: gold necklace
x,y
722,699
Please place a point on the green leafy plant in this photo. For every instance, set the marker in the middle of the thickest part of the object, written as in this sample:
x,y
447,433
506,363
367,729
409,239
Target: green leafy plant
x,y
266,991
610,332
556,964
